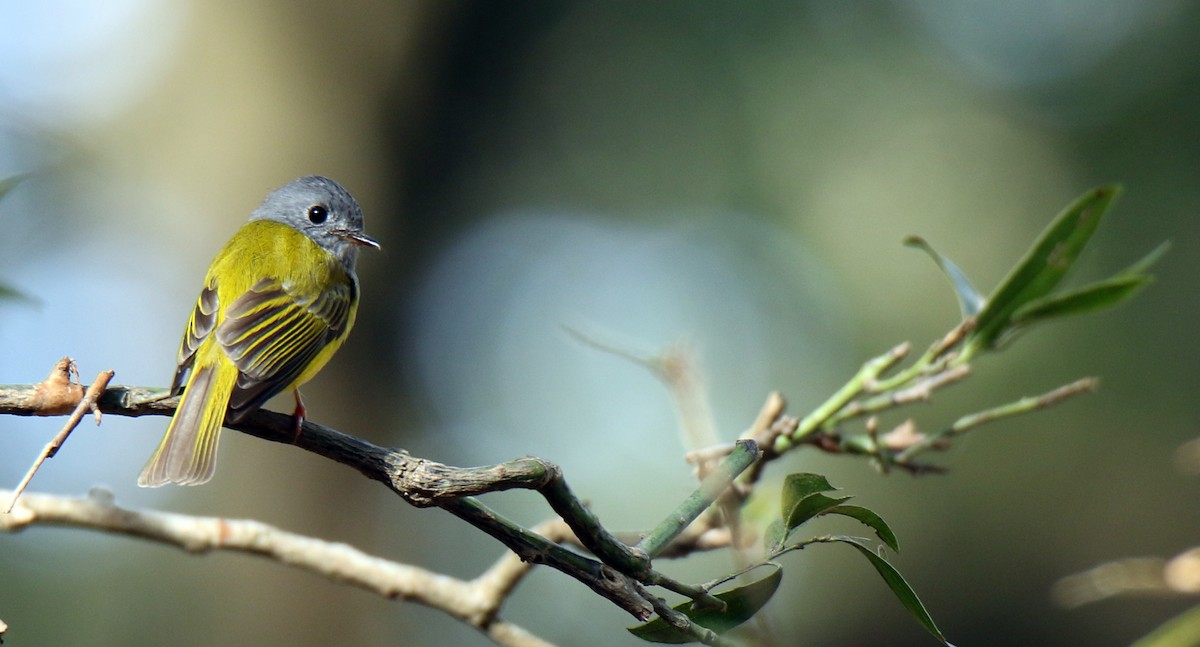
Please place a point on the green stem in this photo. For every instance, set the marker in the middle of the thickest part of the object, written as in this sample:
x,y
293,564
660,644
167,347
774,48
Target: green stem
x,y
861,381
935,357
921,391
743,455
1024,405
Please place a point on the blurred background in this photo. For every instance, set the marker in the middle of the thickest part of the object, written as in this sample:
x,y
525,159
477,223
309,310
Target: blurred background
x,y
736,178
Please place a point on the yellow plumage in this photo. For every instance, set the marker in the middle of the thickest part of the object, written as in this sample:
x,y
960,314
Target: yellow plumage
x,y
275,307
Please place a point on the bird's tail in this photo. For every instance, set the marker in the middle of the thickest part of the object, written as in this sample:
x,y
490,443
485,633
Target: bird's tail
x,y
187,454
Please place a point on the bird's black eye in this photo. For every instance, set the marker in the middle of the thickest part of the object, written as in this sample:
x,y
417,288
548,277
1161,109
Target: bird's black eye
x,y
317,214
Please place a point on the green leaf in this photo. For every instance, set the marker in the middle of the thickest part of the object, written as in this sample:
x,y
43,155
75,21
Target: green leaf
x,y
1090,298
970,301
1183,629
775,535
1095,296
896,583
799,485
741,604
1043,266
809,507
1139,268
868,517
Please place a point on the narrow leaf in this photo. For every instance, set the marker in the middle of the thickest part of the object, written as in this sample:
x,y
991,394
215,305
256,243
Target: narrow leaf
x,y
1044,265
970,301
868,517
899,587
797,486
809,507
741,604
1090,298
1146,261
1096,296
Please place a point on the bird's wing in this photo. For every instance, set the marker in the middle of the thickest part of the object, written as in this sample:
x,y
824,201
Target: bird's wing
x,y
199,325
272,335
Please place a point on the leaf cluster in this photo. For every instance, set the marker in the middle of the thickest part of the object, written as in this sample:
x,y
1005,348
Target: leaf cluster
x,y
1025,297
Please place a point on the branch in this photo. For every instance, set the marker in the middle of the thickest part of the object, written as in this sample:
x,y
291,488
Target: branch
x,y
475,603
86,403
618,572
870,391
864,380
716,483
1023,405
615,575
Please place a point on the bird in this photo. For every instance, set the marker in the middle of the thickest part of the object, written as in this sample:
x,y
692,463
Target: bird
x,y
278,301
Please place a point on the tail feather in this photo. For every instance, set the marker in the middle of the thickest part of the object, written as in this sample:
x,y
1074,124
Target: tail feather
x,y
187,454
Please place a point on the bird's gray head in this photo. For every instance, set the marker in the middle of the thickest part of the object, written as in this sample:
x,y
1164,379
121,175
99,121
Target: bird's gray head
x,y
323,211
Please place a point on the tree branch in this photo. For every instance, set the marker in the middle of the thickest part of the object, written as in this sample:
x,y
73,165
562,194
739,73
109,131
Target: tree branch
x,y
475,603
86,403
428,483
618,572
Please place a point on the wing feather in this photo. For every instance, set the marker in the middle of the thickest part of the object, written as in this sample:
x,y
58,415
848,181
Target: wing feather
x,y
273,334
199,325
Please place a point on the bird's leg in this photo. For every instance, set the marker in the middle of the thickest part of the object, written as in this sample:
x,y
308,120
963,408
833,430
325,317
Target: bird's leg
x,y
298,415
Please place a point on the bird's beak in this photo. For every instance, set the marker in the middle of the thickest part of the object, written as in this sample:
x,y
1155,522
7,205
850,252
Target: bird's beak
x,y
359,238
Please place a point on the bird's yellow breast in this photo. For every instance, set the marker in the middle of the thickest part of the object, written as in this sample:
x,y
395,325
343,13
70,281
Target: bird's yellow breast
x,y
263,249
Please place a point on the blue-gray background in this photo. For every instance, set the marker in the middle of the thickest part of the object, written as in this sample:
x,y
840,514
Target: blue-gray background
x,y
733,176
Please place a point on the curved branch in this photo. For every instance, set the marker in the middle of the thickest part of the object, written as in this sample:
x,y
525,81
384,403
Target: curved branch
x,y
426,483
475,603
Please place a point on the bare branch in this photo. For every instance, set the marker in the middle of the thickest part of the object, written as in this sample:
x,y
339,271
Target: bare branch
x,y
86,403
474,603
1023,405
422,483
427,483
921,391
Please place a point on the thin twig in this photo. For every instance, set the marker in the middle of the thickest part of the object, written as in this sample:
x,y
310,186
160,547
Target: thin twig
x,y
921,391
867,375
936,358
1024,405
87,403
